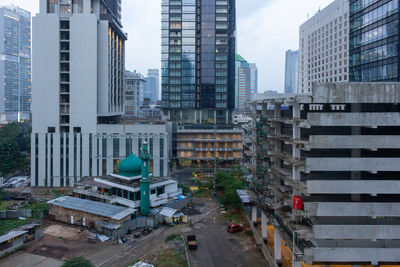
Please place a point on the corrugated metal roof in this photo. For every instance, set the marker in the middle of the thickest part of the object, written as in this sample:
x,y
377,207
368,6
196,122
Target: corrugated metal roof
x,y
167,212
93,207
244,196
11,235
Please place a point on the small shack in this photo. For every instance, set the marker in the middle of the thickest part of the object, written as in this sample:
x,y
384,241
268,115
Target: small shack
x,y
33,231
11,241
87,213
172,216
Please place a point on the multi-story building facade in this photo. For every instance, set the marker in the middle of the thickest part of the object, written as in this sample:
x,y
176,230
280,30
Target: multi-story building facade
x,y
291,72
242,86
78,96
152,86
206,144
374,41
134,93
322,175
254,78
324,47
15,64
198,60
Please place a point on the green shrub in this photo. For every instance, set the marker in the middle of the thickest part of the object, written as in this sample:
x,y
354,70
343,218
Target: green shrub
x,y
77,262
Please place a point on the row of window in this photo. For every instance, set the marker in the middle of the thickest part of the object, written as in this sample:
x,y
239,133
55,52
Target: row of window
x,y
379,73
376,34
188,104
375,15
375,54
360,4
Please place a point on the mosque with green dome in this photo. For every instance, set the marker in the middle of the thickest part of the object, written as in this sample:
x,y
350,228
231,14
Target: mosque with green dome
x,y
133,186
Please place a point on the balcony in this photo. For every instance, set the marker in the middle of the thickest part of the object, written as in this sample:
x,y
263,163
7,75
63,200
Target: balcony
x,y
369,187
354,119
367,232
372,165
354,142
344,255
353,209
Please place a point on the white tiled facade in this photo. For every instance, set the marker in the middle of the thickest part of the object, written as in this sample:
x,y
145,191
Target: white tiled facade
x,y
324,47
77,96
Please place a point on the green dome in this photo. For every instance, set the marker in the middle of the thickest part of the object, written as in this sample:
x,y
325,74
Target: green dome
x,y
131,166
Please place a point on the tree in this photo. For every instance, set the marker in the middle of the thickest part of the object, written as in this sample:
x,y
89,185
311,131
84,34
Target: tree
x,y
1,194
14,145
229,182
78,262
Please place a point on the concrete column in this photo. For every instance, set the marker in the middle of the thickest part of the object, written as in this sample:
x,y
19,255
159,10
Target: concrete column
x,y
278,110
277,245
264,221
86,6
254,214
356,153
264,110
215,117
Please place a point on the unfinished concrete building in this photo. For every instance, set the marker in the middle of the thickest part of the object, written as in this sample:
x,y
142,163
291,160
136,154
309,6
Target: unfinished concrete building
x,y
326,175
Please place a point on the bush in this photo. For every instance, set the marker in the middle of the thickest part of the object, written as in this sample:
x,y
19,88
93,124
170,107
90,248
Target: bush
x,y
172,237
78,262
185,189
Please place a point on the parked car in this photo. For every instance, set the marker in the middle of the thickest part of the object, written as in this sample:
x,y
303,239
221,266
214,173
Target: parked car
x,y
191,241
234,228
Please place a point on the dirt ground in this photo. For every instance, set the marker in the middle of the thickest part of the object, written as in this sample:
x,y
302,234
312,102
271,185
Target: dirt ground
x,y
216,247
23,259
67,232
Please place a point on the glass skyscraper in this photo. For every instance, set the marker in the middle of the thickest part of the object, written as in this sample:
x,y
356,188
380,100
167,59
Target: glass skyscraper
x,y
242,86
198,60
152,86
15,64
374,40
291,72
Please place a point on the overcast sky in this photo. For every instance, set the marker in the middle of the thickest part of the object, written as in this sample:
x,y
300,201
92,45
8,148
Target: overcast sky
x,y
265,30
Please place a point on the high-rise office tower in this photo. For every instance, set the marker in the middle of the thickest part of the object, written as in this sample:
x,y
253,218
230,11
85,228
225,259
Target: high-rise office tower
x,y
242,86
198,60
324,47
78,96
15,64
374,44
254,78
152,86
291,72
134,86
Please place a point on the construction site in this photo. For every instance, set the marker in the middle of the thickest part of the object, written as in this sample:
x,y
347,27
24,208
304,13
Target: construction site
x,y
324,184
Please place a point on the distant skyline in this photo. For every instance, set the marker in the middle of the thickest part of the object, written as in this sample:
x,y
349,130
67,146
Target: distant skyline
x,y
265,30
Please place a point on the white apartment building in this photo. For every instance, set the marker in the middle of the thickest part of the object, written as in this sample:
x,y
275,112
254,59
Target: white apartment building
x,y
78,95
134,93
324,47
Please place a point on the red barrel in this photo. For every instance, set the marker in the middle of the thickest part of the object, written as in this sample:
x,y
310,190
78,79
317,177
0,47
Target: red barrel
x,y
298,203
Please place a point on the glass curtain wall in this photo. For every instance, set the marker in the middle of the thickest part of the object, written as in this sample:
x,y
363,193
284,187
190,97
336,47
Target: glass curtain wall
x,y
374,33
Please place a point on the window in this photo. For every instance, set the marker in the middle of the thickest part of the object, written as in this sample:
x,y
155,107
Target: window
x,y
116,147
51,6
161,147
78,6
161,168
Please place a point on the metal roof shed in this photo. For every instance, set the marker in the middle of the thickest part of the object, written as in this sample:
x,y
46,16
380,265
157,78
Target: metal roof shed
x,y
92,207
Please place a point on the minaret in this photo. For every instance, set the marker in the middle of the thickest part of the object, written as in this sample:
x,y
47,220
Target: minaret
x,y
145,182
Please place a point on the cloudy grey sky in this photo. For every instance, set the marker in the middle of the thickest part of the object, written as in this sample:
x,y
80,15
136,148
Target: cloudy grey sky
x,y
265,30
